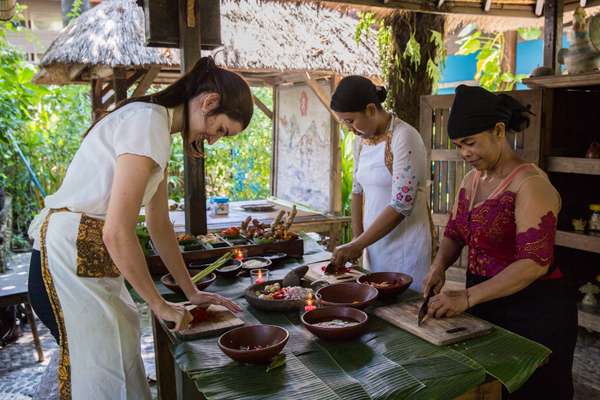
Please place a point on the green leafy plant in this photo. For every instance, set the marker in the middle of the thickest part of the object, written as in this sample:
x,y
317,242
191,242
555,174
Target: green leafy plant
x,y
489,49
347,170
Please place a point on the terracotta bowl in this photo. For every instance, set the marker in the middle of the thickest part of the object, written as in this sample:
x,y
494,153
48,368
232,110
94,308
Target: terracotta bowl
x,y
169,282
271,338
401,282
335,333
233,268
348,294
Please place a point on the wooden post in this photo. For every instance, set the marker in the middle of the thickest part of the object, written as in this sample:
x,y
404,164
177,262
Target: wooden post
x,y
275,136
96,87
194,178
119,84
553,30
510,51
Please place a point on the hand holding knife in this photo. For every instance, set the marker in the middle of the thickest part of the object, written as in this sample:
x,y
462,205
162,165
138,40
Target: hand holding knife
x,y
424,307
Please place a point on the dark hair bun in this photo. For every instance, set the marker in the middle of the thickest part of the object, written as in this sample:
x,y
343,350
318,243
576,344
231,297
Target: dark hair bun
x,y
381,93
519,114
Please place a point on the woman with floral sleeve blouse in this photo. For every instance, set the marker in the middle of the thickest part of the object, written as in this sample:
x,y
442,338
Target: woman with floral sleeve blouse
x,y
505,212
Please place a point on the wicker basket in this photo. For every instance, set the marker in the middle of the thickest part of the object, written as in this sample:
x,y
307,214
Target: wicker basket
x,y
7,9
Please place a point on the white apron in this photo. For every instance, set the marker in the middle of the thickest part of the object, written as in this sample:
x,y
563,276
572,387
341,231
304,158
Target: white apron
x,y
100,352
407,248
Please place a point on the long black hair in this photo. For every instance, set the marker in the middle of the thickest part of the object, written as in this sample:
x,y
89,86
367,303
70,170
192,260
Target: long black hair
x,y
235,95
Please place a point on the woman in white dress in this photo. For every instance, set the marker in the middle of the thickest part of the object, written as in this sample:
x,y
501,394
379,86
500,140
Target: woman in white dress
x,y
390,219
86,232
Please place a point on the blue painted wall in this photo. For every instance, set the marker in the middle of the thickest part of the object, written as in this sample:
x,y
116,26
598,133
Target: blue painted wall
x,y
530,55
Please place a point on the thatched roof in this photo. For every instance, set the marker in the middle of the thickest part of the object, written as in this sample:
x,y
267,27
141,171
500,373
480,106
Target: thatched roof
x,y
259,38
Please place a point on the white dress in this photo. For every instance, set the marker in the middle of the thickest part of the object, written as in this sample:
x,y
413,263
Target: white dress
x,y
101,356
407,248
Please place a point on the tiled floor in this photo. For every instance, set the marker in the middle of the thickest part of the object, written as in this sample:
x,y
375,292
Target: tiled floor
x,y
20,373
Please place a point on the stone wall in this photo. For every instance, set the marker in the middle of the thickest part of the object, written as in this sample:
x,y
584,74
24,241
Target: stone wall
x,y
5,233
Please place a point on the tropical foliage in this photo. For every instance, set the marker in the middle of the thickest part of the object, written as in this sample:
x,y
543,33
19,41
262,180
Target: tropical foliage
x,y
492,72
41,128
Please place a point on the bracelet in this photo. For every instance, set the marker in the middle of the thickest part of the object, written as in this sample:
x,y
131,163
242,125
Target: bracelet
x,y
467,296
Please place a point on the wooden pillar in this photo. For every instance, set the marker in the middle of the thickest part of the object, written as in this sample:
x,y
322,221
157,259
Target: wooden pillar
x,y
553,30
194,179
119,84
96,87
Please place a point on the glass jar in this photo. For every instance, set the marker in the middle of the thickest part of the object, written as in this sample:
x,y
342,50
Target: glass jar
x,y
594,224
219,206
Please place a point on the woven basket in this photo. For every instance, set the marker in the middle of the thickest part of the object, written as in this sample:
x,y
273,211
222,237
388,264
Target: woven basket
x,y
7,9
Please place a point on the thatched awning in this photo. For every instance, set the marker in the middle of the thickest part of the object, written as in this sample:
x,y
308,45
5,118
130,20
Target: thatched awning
x,y
259,38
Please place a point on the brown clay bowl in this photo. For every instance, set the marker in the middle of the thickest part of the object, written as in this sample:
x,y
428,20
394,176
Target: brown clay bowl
x,y
348,294
271,339
170,283
335,333
401,282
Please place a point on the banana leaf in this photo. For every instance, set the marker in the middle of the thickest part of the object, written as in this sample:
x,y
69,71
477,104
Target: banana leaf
x,y
385,363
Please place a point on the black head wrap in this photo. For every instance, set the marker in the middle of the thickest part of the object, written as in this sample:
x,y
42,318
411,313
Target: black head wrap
x,y
476,110
354,93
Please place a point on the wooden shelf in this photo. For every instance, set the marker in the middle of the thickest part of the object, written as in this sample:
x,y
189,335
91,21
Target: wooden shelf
x,y
564,81
578,241
573,165
589,317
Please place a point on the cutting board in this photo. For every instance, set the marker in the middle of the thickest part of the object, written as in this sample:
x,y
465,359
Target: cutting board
x,y
221,320
436,331
315,273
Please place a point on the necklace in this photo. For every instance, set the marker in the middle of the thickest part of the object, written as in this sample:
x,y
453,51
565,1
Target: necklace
x,y
380,138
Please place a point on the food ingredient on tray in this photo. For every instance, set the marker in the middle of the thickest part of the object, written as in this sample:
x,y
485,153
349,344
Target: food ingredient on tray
x,y
276,292
184,237
231,232
212,267
210,238
278,230
335,323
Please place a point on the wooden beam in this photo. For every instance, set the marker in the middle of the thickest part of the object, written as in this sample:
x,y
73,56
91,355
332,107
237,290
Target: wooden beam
x,y
75,71
321,95
263,107
503,10
146,81
539,7
194,174
553,18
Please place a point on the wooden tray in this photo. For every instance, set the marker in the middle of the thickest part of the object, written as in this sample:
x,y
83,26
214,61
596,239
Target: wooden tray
x,y
293,248
315,273
404,315
221,321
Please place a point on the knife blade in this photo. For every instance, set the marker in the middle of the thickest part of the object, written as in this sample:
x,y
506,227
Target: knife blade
x,y
424,307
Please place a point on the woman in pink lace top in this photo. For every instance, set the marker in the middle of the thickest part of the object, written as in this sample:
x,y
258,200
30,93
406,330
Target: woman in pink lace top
x,y
505,212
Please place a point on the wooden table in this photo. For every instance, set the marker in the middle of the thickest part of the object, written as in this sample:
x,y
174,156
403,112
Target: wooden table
x,y
306,220
177,381
13,291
